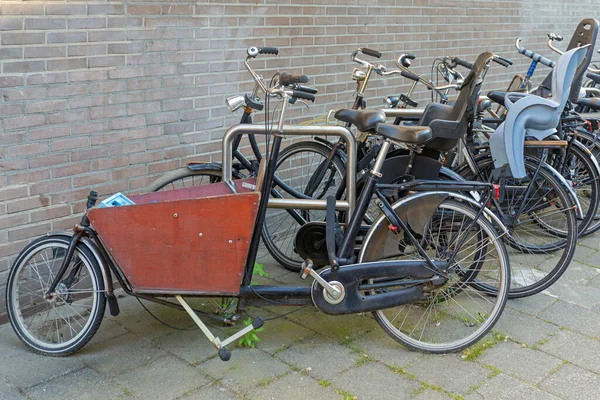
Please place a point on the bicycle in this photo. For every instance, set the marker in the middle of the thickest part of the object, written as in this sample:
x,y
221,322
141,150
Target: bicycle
x,y
443,289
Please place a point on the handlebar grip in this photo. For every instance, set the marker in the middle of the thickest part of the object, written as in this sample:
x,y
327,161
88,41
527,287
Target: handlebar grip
x,y
506,60
92,198
462,63
371,52
410,56
268,50
289,79
306,89
303,95
501,62
410,75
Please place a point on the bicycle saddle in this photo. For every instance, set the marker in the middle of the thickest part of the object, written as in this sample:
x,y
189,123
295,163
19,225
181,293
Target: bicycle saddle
x,y
594,77
591,102
406,134
364,120
497,97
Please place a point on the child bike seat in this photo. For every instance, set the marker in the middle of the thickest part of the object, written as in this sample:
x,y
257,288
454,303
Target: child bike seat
x,y
364,120
406,134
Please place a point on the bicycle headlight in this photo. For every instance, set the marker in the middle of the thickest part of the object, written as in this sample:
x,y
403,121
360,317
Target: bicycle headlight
x,y
234,102
390,101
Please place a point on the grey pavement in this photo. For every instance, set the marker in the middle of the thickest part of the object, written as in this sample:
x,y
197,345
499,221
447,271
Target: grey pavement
x,y
544,347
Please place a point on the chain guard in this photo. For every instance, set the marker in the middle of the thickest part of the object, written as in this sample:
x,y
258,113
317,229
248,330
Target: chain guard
x,y
355,301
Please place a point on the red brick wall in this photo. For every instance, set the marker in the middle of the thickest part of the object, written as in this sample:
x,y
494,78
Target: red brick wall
x,y
111,94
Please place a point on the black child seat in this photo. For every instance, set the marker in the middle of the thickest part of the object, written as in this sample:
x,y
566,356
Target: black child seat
x,y
449,123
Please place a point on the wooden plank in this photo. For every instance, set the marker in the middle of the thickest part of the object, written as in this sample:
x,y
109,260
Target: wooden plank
x,y
546,143
196,246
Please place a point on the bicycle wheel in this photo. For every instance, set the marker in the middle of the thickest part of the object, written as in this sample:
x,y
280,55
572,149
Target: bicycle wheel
x,y
580,171
184,177
297,167
543,237
592,144
65,322
453,315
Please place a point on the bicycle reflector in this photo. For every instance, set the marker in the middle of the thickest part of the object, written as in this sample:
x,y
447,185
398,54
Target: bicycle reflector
x,y
234,102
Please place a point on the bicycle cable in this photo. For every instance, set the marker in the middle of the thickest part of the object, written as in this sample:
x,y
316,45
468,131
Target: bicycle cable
x,y
163,322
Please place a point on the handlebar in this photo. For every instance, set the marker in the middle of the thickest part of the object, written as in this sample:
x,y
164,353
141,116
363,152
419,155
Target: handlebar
x,y
462,63
288,79
365,51
534,56
552,37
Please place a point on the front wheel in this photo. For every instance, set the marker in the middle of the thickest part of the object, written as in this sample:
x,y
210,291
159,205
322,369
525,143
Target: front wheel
x,y
65,321
456,313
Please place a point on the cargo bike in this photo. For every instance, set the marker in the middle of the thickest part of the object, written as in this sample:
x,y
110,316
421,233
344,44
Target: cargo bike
x,y
432,268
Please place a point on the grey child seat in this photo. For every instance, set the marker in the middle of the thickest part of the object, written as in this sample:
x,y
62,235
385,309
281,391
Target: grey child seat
x,y
534,116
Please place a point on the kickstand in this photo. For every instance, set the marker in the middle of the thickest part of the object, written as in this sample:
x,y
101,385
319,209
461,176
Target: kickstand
x,y
219,344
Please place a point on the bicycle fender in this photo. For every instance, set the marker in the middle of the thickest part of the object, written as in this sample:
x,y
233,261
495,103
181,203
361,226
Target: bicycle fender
x,y
378,231
569,187
106,275
202,166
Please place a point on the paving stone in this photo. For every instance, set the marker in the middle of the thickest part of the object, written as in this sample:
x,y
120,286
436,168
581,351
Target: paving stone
x,y
325,357
579,273
573,383
9,392
383,348
449,372
572,316
339,327
531,305
29,368
524,327
503,387
246,369
193,346
135,319
575,293
122,354
109,329
294,386
280,333
532,365
165,378
584,255
212,392
10,345
575,348
82,384
374,380
594,282
431,394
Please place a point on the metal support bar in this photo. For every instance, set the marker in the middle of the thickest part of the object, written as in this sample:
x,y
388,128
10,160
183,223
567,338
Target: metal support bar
x,y
405,113
304,204
214,340
297,130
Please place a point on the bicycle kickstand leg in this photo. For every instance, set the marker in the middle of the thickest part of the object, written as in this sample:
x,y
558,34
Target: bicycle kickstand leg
x,y
219,344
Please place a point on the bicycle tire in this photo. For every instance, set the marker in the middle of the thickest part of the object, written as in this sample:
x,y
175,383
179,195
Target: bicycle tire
x,y
470,326
65,296
281,243
542,274
177,179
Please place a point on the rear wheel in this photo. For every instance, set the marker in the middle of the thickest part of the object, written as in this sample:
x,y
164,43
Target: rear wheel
x,y
543,237
184,177
298,167
65,321
457,313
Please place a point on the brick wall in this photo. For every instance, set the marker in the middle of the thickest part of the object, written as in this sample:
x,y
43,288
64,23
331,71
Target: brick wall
x,y
112,94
